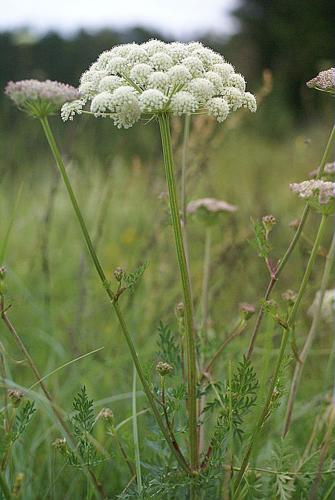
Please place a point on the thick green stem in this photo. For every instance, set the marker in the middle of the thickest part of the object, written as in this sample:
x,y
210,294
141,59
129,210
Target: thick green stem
x,y
283,261
205,281
190,334
107,287
285,337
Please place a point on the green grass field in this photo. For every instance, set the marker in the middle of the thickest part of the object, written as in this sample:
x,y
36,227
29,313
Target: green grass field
x,y
61,312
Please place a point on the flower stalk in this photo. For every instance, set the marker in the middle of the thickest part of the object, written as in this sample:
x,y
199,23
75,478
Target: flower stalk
x,y
164,125
285,337
309,340
105,283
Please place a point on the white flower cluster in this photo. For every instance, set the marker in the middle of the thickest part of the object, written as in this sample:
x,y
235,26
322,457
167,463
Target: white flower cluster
x,y
320,194
132,80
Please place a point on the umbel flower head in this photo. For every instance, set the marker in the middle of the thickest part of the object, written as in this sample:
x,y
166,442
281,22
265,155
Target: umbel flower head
x,y
40,99
209,210
324,81
319,194
131,80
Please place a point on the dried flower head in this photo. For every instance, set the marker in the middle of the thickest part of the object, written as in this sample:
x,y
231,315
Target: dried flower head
x,y
131,80
209,209
38,98
164,368
15,396
319,194
324,81
327,307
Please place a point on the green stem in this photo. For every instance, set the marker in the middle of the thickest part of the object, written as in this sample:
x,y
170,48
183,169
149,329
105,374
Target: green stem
x,y
283,261
205,281
4,487
136,441
107,287
190,335
310,338
285,337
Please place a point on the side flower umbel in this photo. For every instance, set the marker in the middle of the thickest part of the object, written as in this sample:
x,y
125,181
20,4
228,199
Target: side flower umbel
x,y
324,81
40,99
131,80
319,194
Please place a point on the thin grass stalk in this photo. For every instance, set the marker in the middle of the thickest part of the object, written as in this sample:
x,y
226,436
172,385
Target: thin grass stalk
x,y
100,493
164,124
135,437
309,340
4,487
106,285
283,261
284,341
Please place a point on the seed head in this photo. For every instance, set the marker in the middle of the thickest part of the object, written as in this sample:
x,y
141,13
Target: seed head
x,y
164,368
191,77
40,99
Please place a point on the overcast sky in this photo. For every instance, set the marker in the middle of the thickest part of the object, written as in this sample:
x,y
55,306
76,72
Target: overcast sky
x,y
176,17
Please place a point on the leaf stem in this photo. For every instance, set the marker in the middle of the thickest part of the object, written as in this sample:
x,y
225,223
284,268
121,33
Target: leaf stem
x,y
164,125
98,267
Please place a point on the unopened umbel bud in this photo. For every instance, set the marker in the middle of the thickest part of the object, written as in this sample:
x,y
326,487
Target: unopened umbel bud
x,y
289,296
268,222
247,310
163,368
118,274
15,396
180,310
107,415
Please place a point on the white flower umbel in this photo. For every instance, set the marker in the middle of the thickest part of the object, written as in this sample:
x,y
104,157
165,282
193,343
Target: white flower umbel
x,y
324,81
186,79
319,194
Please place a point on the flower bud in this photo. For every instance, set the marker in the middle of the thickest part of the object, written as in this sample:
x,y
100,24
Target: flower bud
x,y
268,222
180,310
289,296
15,396
118,274
107,415
60,445
247,310
163,368
17,486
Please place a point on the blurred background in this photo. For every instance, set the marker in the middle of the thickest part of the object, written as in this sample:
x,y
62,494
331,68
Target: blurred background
x,y
58,306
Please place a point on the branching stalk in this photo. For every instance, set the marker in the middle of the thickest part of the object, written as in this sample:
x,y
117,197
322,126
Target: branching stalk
x,y
285,337
283,262
106,285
